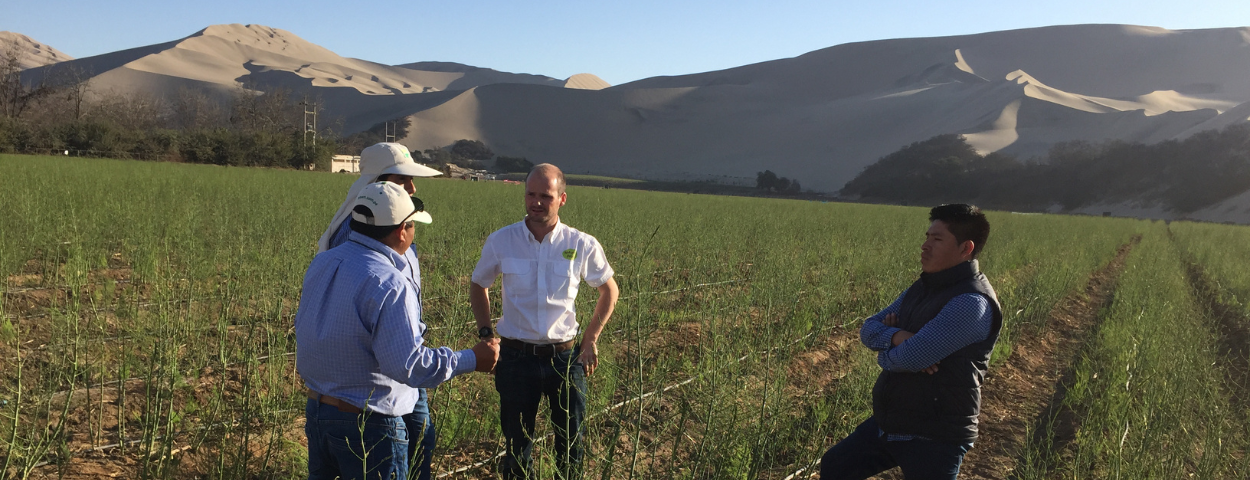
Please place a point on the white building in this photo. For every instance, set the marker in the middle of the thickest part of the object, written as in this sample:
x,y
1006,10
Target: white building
x,y
345,164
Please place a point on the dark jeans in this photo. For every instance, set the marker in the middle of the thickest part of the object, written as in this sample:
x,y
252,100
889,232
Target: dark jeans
x,y
522,380
865,453
338,443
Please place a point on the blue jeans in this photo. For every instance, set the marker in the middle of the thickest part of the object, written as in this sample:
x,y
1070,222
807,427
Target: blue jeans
x,y
338,443
522,380
865,453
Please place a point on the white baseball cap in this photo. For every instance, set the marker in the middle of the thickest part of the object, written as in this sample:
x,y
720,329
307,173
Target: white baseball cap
x,y
387,158
388,205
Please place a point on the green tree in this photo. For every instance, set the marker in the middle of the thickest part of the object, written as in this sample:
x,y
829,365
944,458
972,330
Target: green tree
x,y
513,164
472,150
765,180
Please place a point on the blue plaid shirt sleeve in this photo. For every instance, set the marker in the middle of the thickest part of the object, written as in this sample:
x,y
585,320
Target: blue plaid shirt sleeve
x,y
965,320
874,334
399,345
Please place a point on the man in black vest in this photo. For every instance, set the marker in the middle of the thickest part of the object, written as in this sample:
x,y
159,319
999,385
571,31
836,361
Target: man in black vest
x,y
933,345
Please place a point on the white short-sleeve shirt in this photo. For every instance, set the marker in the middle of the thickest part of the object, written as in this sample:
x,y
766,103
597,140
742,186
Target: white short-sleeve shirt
x,y
540,279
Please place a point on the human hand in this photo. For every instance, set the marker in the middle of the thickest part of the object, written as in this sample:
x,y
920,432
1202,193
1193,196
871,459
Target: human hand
x,y
890,320
931,369
900,337
487,354
589,356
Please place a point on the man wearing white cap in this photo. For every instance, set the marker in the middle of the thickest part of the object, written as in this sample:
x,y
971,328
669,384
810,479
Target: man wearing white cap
x,y
542,262
391,162
380,162
360,347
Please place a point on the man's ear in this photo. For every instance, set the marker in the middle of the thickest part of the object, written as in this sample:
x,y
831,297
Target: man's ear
x,y
966,248
397,235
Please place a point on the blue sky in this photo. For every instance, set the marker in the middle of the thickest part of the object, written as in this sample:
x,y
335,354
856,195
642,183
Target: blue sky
x,y
618,41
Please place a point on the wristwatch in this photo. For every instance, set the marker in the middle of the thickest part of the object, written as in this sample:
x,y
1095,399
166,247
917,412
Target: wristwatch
x,y
485,332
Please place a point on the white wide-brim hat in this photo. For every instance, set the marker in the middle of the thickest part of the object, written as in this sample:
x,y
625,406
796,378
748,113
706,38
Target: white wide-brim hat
x,y
389,205
392,158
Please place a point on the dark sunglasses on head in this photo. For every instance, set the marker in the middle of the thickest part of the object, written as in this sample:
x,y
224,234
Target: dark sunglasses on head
x,y
418,206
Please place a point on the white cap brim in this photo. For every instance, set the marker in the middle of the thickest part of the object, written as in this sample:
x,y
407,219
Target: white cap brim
x,y
423,217
411,169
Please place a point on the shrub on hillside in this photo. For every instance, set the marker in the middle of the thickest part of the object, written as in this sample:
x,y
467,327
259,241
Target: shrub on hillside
x,y
472,150
1184,175
513,164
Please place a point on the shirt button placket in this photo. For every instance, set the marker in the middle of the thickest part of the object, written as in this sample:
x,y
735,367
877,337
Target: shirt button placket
x,y
543,245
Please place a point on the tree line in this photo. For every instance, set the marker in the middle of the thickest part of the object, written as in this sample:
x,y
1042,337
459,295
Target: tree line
x,y
464,153
475,155
1182,175
56,109
770,182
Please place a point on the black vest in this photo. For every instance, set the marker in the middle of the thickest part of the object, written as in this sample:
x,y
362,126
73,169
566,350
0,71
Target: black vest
x,y
942,406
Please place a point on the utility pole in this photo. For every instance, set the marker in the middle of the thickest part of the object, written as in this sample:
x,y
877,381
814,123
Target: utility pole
x,y
310,125
392,129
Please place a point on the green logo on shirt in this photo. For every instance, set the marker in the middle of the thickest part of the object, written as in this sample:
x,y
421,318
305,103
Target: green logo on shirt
x,y
570,254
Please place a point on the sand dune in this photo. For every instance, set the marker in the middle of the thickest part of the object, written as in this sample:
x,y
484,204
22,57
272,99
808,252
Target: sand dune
x,y
1231,210
1001,135
1237,114
1112,61
32,53
471,76
1235,210
221,59
820,117
586,81
825,115
226,54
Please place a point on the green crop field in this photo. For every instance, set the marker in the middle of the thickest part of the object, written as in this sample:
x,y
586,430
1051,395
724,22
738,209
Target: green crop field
x,y
146,329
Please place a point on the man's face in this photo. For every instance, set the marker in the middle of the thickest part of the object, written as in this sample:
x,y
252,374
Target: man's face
x,y
403,181
543,197
407,233
940,250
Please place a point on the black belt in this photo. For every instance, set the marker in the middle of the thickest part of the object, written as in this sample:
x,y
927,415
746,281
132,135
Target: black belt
x,y
547,350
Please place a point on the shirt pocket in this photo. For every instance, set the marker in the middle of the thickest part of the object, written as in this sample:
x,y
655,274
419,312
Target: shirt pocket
x,y
518,276
563,280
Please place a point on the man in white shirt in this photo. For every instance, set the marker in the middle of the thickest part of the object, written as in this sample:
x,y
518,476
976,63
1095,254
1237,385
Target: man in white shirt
x,y
542,262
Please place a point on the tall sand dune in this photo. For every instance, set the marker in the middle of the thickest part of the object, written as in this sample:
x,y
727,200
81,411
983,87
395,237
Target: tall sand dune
x,y
31,53
820,117
586,81
823,116
222,59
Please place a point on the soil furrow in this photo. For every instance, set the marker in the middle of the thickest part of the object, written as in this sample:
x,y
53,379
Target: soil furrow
x,y
1024,395
1234,333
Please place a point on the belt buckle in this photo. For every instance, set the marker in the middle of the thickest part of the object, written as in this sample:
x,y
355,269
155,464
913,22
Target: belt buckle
x,y
543,350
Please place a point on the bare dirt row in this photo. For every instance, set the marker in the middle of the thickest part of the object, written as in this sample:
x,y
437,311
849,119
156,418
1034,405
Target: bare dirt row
x,y
1024,393
1234,334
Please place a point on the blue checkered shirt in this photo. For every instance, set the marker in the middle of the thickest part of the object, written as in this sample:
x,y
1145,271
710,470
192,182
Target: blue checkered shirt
x,y
411,269
965,320
410,257
358,330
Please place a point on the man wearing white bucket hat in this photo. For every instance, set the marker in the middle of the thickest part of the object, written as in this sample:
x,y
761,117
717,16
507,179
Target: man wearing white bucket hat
x,y
380,162
360,347
391,162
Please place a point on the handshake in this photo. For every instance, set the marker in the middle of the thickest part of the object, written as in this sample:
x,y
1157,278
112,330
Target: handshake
x,y
487,353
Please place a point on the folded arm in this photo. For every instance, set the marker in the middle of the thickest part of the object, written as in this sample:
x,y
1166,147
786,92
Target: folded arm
x,y
965,320
876,335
